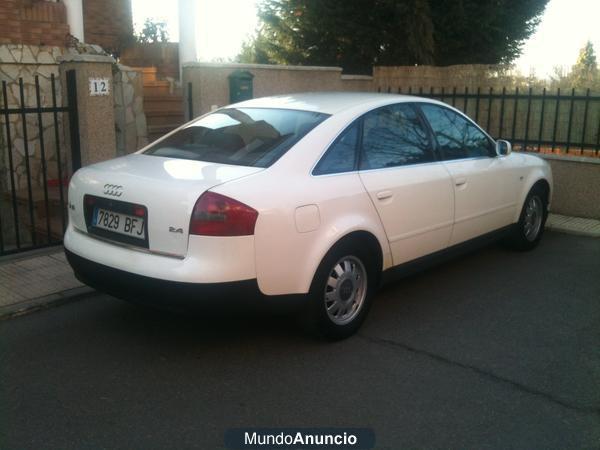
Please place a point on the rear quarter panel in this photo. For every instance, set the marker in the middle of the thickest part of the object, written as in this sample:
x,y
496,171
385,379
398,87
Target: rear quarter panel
x,y
286,257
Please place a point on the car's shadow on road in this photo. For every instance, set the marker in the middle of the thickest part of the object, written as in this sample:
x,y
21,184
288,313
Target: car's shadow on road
x,y
407,301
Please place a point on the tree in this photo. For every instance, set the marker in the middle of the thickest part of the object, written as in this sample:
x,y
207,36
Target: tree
x,y
582,75
585,71
153,31
357,34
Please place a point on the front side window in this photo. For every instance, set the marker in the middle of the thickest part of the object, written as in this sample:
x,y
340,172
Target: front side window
x,y
254,137
341,156
457,138
394,136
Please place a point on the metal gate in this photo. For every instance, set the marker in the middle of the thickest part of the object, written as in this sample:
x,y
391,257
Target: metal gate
x,y
35,161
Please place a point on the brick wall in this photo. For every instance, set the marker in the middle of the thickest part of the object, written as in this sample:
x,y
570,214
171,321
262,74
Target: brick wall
x,y
33,22
41,22
106,22
162,55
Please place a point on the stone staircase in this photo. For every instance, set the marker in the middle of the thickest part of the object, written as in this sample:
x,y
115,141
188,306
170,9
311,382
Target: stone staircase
x,y
163,104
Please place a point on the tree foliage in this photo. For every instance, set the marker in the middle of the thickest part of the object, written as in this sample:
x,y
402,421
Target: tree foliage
x,y
584,74
153,31
585,70
357,34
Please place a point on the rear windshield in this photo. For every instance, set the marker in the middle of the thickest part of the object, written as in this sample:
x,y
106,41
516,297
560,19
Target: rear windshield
x,y
253,137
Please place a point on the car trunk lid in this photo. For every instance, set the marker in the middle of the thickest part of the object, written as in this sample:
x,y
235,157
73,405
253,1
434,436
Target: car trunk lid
x,y
160,192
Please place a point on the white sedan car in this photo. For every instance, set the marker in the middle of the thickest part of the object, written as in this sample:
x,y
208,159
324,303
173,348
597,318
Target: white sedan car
x,y
318,196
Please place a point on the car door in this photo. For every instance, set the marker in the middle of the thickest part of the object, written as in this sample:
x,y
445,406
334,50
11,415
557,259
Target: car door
x,y
411,190
485,185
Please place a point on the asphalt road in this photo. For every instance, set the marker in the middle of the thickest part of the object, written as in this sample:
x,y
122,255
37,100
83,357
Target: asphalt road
x,y
493,350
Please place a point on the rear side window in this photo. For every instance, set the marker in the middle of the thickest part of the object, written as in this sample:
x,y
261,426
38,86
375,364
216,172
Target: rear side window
x,y
394,136
254,137
341,156
457,138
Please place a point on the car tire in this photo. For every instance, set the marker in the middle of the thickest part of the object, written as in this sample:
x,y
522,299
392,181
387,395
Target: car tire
x,y
342,291
527,232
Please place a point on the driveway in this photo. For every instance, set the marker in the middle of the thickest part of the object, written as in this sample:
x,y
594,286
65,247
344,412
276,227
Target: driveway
x,y
493,350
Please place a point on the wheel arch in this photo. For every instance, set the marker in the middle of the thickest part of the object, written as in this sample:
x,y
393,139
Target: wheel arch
x,y
538,177
363,238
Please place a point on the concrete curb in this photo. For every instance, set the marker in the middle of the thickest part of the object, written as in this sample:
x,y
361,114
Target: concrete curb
x,y
45,302
573,225
566,230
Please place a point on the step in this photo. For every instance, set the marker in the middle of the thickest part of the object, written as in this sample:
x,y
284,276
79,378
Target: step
x,y
148,73
163,121
161,113
158,131
158,83
163,98
163,105
150,91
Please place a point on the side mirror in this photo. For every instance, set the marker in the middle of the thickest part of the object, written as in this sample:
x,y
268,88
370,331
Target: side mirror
x,y
503,148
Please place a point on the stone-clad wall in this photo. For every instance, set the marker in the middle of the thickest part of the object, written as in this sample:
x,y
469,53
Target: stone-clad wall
x,y
27,61
130,119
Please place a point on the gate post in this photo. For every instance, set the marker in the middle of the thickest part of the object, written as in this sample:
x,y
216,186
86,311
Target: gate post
x,y
87,83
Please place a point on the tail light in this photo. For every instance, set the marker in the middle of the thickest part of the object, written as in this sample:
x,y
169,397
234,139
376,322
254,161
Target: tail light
x,y
217,215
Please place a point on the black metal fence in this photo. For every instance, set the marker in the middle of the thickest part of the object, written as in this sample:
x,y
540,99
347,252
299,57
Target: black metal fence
x,y
33,183
548,122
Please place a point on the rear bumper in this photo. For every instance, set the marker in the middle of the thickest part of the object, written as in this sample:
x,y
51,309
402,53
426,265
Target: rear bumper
x,y
174,295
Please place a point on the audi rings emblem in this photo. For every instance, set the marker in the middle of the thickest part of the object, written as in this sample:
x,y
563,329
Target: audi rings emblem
x,y
113,189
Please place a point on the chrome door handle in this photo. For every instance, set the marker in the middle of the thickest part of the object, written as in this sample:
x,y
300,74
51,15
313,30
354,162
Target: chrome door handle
x,y
460,181
382,195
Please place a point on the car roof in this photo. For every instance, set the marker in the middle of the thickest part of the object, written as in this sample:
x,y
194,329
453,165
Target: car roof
x,y
328,102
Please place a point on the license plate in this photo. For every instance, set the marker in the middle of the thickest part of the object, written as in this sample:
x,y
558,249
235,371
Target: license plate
x,y
119,223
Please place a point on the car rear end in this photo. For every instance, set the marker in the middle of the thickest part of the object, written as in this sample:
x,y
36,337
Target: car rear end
x,y
149,226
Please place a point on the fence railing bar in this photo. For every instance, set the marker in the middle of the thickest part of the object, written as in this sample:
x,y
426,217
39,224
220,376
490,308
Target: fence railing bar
x,y
585,116
527,117
11,167
522,129
570,118
27,165
486,96
43,157
478,97
515,109
30,110
500,125
190,101
75,140
509,96
489,115
557,144
556,111
61,194
598,138
541,130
